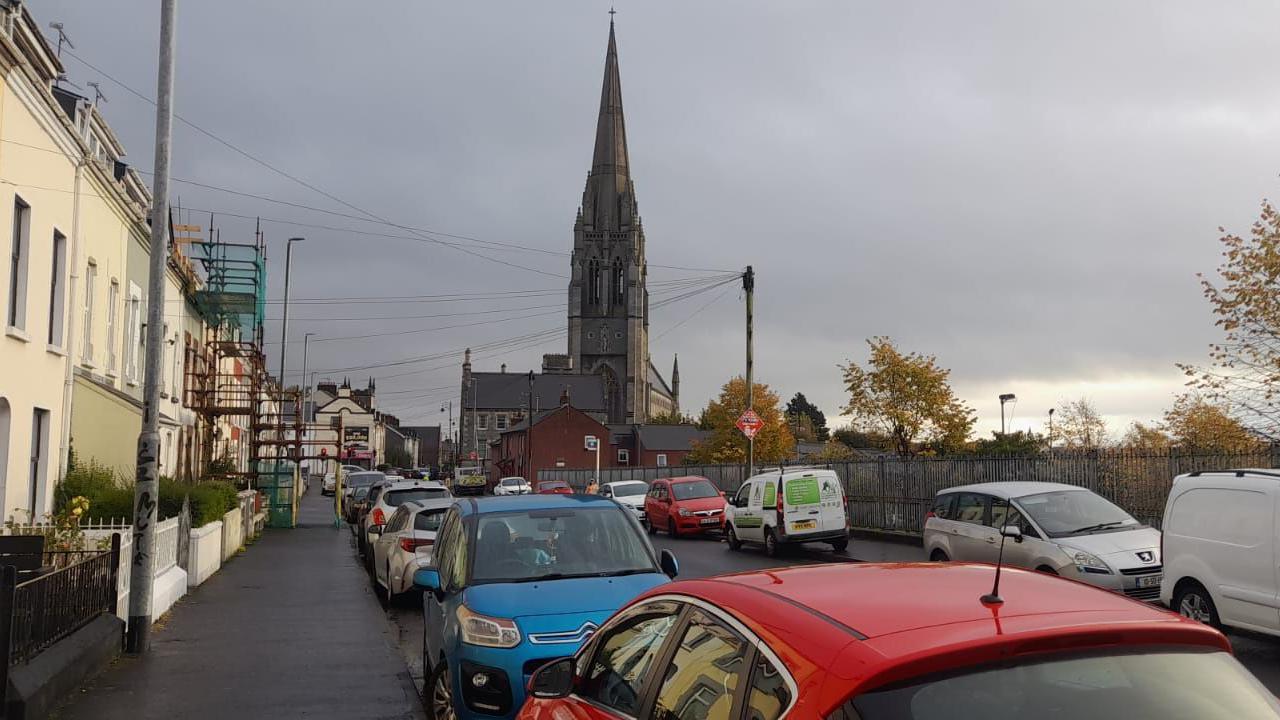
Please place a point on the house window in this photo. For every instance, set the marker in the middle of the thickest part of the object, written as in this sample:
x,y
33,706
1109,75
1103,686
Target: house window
x,y
177,367
482,422
132,333
39,458
501,423
90,288
17,310
113,309
662,459
624,456
165,368
57,289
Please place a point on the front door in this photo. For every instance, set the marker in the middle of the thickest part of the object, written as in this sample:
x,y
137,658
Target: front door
x,y
746,515
450,561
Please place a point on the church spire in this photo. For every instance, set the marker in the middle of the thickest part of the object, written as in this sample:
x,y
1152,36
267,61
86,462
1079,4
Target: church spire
x,y
609,200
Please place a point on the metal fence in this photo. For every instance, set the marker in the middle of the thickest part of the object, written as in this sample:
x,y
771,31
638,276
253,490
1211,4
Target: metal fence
x,y
38,613
892,494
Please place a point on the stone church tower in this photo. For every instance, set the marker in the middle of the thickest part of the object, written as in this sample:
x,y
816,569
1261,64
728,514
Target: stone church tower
x,y
608,298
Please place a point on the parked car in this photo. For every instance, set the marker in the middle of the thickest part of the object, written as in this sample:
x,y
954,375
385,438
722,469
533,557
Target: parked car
x,y
404,544
684,505
330,484
553,487
384,499
1066,530
1220,541
628,493
356,505
512,486
895,642
363,478
792,506
520,581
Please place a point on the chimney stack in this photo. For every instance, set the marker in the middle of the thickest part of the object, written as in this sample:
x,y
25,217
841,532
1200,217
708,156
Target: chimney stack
x,y
504,368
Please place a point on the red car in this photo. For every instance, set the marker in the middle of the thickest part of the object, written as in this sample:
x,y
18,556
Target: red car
x,y
684,505
553,487
895,642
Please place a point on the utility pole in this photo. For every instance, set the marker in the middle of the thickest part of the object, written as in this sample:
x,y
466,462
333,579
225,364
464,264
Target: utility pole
x,y
453,447
146,489
749,285
284,324
528,434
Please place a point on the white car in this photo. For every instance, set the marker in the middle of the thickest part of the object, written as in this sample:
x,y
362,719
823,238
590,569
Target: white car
x,y
1065,530
798,505
629,494
512,486
406,542
1220,535
386,497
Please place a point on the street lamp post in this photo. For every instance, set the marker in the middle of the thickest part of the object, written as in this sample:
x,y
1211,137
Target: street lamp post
x,y
284,324
306,394
1050,428
1006,397
453,449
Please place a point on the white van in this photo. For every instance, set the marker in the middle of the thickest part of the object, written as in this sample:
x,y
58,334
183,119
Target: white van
x,y
809,508
1220,548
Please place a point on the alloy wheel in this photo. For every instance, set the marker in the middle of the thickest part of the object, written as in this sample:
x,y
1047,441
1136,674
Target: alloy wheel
x,y
442,697
1193,606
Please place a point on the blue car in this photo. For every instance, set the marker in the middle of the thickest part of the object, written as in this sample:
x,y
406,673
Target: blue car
x,y
519,581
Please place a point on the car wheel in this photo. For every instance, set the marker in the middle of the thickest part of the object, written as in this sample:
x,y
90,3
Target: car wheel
x,y
840,545
1192,601
771,547
732,538
648,525
439,694
938,556
671,528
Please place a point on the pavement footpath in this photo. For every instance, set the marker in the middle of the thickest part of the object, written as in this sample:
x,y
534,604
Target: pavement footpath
x,y
289,629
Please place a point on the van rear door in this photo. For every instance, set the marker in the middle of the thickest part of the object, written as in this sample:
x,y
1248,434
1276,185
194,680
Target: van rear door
x,y
802,503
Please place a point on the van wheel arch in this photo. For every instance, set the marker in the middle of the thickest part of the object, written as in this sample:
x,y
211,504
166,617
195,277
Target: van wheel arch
x,y
939,555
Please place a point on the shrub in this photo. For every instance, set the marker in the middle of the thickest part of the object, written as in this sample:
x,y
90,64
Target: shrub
x,y
110,496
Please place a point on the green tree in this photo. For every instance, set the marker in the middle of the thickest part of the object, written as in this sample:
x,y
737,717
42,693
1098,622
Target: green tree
x,y
671,419
907,397
774,443
1015,443
859,440
800,406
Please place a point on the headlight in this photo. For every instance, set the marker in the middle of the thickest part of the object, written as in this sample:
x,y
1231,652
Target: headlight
x,y
1090,563
487,631
684,512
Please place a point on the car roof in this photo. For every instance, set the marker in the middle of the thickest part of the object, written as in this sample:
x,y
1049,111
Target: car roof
x,y
411,484
872,619
685,478
510,503
627,482
1013,489
442,503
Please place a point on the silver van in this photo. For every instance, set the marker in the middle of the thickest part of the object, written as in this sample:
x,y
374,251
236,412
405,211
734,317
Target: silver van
x,y
1066,530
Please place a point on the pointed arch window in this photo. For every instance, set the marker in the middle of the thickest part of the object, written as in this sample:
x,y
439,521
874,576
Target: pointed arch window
x,y
619,282
593,281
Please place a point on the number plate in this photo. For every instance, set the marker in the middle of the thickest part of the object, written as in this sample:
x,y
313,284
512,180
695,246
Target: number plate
x,y
1150,581
710,521
805,525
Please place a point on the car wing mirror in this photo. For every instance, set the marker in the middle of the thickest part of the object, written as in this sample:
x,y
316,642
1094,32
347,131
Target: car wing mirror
x,y
553,680
670,566
427,579
1012,531
375,531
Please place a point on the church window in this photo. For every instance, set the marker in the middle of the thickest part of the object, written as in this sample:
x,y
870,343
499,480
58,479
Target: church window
x,y
593,282
619,282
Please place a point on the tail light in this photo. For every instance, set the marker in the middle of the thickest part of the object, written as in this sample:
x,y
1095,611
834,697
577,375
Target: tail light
x,y
410,544
929,515
782,508
379,518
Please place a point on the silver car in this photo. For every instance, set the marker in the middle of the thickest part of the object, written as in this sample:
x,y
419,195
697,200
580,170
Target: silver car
x,y
406,542
1066,530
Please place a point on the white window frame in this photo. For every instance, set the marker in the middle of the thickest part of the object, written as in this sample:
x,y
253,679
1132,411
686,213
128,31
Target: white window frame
x,y
482,421
176,375
133,334
662,459
90,288
19,255
624,456
113,314
57,336
500,421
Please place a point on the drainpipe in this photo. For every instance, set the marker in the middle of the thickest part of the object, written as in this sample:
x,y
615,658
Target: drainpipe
x,y
76,262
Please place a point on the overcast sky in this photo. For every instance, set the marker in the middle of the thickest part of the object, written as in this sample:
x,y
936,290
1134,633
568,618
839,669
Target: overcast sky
x,y
1025,190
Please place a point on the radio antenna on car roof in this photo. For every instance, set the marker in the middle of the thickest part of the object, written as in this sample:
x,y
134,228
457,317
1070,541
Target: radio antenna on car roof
x,y
1008,531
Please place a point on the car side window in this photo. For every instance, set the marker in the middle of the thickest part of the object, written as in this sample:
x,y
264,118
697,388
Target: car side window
x,y
944,506
971,508
619,665
451,552
742,498
769,692
1002,514
396,523
704,674
757,490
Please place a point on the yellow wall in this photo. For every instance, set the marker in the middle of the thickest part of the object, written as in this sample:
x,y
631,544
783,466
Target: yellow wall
x,y
104,428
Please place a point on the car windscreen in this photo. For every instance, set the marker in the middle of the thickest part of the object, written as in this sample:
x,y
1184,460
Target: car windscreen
x,y
548,544
396,498
512,482
428,520
358,479
694,490
1166,685
1074,512
630,489
553,485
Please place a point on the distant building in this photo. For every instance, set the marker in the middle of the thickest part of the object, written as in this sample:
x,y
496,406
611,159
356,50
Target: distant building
x,y
429,446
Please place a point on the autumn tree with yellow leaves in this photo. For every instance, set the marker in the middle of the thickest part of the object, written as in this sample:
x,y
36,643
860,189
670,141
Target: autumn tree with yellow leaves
x,y
907,397
773,443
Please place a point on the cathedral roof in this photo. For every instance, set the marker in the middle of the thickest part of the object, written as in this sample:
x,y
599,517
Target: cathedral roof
x,y
657,383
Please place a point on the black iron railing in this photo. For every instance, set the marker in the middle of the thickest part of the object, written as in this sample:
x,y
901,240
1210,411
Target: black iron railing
x,y
39,612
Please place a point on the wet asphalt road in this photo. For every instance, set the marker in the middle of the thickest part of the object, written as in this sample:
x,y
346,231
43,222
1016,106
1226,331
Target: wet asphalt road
x,y
700,557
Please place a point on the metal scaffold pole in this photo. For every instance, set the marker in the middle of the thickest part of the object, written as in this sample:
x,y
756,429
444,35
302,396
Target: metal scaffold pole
x,y
146,491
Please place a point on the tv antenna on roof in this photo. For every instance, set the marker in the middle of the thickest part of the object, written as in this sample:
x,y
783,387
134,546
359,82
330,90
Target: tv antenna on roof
x,y
97,93
62,37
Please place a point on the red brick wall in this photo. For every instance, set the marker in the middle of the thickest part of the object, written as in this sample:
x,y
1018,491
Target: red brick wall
x,y
557,437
